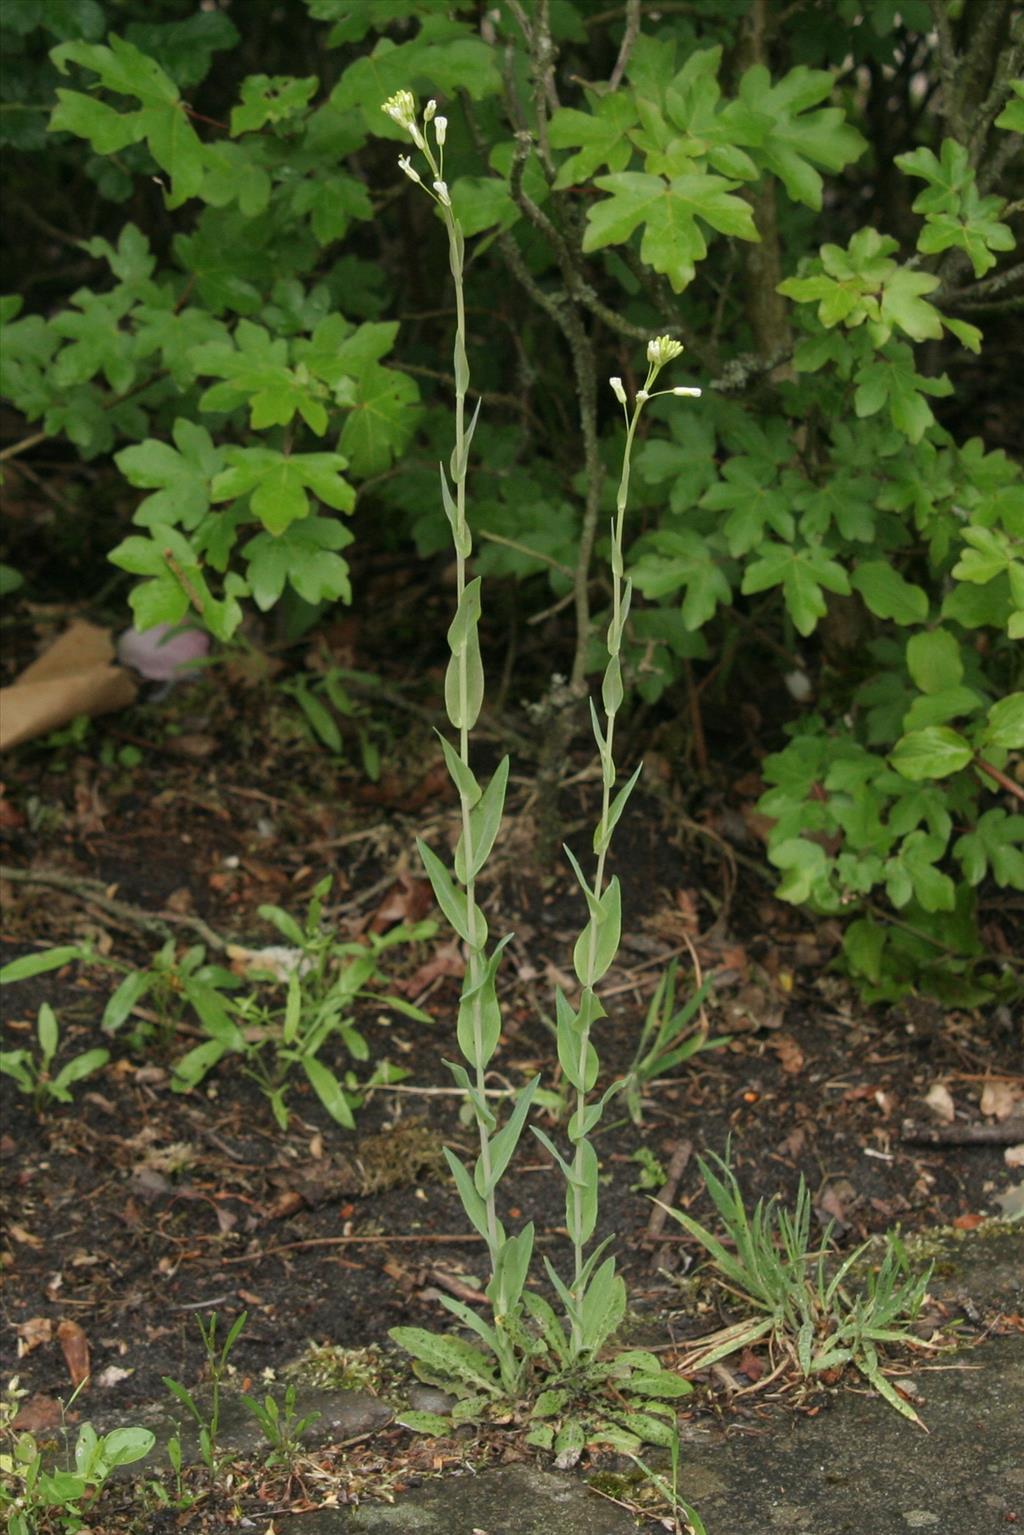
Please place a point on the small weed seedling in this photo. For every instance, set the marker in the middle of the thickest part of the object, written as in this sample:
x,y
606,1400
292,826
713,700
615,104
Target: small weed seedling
x,y
324,979
34,1073
667,1039
282,1427
63,1496
807,1311
207,1420
170,983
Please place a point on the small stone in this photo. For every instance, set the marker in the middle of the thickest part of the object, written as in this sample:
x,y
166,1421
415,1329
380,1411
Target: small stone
x,y
429,1399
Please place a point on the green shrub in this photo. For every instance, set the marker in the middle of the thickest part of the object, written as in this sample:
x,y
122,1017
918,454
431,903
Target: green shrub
x,y
813,201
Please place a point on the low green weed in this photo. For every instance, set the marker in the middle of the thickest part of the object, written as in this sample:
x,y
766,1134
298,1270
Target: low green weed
x,y
64,1495
667,1039
171,983
282,1426
807,1309
33,1072
207,1418
324,978
323,698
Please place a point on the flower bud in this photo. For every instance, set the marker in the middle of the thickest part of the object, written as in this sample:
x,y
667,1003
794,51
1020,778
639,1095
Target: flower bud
x,y
662,350
642,396
618,391
429,110
401,108
441,130
691,394
409,169
441,188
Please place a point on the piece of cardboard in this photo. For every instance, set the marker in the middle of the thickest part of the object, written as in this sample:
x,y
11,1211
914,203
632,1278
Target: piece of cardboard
x,y
74,676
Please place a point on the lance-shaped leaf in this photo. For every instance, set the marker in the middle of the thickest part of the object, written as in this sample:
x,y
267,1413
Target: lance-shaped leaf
x,y
460,463
505,1142
593,903
479,1025
607,824
464,679
603,1306
581,1195
461,535
472,1203
451,901
462,776
598,943
484,822
481,1109
577,1128
576,1054
611,689
510,1271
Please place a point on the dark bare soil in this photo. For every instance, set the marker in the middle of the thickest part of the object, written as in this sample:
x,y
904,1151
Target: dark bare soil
x,y
137,1209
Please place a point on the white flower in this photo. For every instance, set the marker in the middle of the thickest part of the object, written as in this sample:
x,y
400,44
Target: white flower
x,y
441,129
642,396
441,188
618,391
663,349
409,169
691,394
401,108
429,110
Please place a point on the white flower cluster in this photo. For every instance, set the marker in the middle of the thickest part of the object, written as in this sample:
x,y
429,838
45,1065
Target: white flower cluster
x,y
661,350
401,108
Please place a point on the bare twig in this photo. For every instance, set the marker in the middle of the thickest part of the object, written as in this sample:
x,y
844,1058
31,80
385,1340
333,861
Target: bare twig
x,y
629,37
1006,1133
94,894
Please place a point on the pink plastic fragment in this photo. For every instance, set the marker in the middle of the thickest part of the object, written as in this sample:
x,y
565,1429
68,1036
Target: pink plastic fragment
x,y
165,653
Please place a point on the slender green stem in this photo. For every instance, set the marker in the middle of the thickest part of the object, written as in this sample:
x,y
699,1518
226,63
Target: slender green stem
x,y
608,784
474,958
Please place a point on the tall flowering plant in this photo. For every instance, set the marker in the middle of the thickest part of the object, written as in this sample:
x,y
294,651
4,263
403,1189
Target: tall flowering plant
x,y
563,1354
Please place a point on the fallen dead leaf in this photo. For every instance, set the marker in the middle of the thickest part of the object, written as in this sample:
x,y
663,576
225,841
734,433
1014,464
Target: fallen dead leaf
x,y
25,1237
37,1330
113,1375
751,1365
1013,1156
791,1057
75,1347
998,1100
38,1413
940,1100
967,1222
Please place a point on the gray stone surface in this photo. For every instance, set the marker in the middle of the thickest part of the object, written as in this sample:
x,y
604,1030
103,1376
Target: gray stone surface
x,y
860,1469
510,1500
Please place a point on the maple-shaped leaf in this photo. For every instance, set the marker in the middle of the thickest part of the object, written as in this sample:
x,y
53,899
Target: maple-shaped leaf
x,y
180,476
161,118
305,557
1012,116
892,380
383,417
775,125
601,134
974,228
948,176
753,502
671,212
683,559
801,573
278,483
